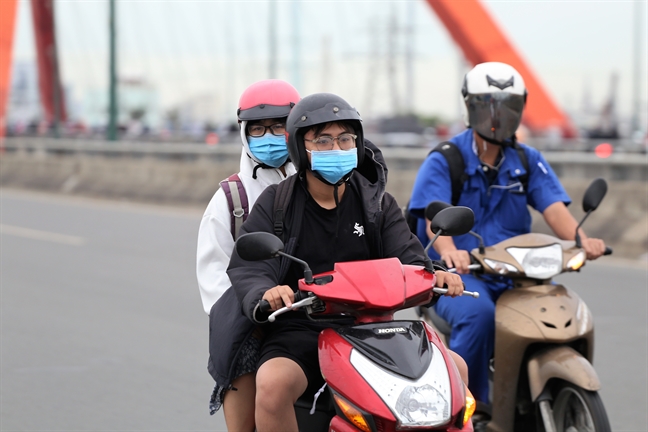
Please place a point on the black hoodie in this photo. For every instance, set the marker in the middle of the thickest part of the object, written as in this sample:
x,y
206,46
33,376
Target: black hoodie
x,y
386,230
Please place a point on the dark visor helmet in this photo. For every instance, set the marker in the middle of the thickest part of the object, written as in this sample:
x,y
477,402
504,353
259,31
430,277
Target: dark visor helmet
x,y
316,109
494,96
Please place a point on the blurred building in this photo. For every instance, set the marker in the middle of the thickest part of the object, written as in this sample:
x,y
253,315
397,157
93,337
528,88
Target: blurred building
x,y
24,101
138,104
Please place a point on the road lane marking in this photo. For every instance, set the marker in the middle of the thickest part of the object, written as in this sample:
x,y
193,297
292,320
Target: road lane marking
x,y
42,235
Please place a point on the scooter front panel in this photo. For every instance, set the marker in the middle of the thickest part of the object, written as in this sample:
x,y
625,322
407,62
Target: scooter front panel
x,y
334,354
556,312
534,314
391,344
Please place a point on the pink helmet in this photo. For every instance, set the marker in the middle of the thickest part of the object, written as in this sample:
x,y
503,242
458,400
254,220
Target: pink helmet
x,y
271,98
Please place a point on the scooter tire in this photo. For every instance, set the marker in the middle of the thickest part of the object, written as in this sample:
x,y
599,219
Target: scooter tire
x,y
576,409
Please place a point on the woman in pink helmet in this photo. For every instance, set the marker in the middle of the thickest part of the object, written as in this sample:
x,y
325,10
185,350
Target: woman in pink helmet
x,y
263,109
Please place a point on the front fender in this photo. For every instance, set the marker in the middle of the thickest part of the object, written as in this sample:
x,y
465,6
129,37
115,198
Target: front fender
x,y
561,362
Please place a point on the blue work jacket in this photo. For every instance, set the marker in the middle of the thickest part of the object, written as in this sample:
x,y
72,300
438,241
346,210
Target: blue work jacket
x,y
500,209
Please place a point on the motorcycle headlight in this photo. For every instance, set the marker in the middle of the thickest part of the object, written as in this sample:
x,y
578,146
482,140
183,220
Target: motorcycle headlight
x,y
424,402
500,267
539,263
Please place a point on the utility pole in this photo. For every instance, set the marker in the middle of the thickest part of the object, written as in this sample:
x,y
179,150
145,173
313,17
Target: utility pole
x,y
325,69
56,88
296,63
392,35
112,96
373,66
636,75
272,39
409,59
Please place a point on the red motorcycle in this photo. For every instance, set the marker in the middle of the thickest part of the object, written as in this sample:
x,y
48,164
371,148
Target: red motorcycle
x,y
382,375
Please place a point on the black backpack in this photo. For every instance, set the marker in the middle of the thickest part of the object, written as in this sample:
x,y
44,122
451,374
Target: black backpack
x,y
458,175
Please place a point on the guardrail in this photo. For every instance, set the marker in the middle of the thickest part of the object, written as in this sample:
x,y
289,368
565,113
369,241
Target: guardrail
x,y
566,164
189,174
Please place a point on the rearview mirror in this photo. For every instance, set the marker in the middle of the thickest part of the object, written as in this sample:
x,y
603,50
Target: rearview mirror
x,y
258,246
594,195
453,221
435,207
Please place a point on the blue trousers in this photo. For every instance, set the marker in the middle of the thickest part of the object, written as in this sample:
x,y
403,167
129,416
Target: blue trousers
x,y
473,327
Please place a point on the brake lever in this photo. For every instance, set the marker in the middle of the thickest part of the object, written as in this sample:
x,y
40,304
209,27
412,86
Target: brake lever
x,y
470,267
305,302
442,291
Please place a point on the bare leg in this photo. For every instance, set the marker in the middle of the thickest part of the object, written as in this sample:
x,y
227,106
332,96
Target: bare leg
x,y
238,406
461,365
279,382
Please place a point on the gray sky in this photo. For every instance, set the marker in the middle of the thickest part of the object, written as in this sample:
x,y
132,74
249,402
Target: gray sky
x,y
204,53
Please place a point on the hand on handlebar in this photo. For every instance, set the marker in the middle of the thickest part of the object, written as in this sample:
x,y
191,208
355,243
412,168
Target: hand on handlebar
x,y
594,248
460,259
450,281
279,296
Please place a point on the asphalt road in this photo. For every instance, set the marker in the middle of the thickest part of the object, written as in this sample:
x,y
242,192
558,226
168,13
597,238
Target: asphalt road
x,y
102,327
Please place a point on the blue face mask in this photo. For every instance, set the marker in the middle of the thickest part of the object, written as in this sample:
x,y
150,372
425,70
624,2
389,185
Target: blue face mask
x,y
332,165
269,149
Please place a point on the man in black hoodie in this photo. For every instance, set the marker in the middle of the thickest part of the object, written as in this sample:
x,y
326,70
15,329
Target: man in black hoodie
x,y
338,211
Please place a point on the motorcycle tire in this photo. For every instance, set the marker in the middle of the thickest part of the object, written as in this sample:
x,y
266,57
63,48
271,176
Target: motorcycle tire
x,y
576,409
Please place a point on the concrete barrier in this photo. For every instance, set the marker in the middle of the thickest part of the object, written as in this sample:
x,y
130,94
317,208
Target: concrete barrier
x,y
188,174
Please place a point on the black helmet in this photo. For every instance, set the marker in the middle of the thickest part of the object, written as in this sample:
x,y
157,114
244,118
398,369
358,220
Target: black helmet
x,y
316,109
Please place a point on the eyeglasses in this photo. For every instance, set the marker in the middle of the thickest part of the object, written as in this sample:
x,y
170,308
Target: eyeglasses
x,y
257,130
346,141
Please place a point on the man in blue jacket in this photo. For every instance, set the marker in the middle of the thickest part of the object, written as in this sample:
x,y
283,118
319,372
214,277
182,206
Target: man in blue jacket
x,y
497,186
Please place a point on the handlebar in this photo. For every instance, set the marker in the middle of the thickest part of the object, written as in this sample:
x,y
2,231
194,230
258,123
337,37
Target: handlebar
x,y
264,305
442,291
303,299
304,302
608,251
470,267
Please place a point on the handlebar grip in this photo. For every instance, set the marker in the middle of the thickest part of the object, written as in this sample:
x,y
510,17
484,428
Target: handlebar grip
x,y
264,306
608,251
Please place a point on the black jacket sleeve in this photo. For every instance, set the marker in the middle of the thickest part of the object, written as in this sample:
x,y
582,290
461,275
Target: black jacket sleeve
x,y
397,239
251,279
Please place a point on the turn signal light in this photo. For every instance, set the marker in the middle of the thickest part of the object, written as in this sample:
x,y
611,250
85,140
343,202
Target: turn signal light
x,y
352,414
577,261
471,405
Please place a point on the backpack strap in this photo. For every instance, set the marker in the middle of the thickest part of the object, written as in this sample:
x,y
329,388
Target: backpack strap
x,y
237,202
456,165
281,201
283,194
524,179
458,177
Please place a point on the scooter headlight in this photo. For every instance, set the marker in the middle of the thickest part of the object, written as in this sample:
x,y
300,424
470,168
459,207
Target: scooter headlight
x,y
421,404
424,402
539,263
